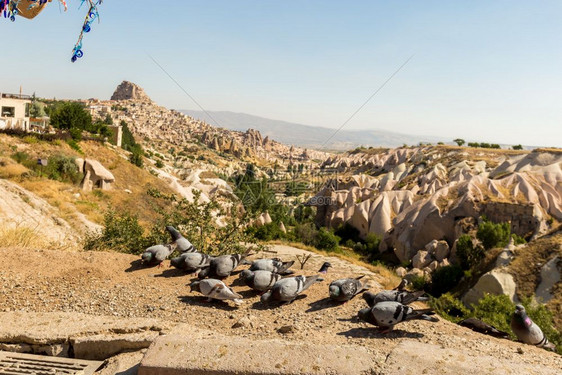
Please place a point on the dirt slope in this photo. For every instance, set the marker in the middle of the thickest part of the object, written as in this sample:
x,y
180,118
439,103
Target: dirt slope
x,y
114,284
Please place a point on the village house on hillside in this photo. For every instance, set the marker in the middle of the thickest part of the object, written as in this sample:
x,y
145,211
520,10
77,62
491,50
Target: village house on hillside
x,y
14,111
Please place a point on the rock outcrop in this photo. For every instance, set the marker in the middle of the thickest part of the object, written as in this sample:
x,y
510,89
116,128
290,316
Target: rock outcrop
x,y
129,91
95,175
413,196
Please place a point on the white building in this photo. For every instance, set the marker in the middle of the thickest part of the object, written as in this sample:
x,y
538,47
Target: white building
x,y
14,111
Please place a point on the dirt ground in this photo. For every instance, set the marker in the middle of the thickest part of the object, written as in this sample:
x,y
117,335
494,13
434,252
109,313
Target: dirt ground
x,y
104,283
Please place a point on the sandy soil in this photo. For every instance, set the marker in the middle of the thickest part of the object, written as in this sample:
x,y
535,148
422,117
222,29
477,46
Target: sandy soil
x,y
117,284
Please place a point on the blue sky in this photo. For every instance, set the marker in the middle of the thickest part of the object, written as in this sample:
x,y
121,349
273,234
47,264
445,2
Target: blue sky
x,y
482,70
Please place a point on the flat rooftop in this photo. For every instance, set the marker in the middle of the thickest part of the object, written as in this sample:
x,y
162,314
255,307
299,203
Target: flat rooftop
x,y
16,96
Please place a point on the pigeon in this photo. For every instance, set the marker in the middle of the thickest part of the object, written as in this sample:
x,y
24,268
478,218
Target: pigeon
x,y
182,243
479,326
259,280
215,289
273,265
324,268
286,290
191,262
527,331
389,313
405,297
221,267
402,286
343,290
156,254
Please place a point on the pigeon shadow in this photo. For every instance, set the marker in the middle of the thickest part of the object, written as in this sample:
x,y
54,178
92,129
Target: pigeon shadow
x,y
172,272
374,333
202,301
237,282
136,265
250,293
273,304
326,303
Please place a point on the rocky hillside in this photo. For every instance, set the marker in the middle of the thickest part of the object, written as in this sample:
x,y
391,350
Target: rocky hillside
x,y
166,128
411,196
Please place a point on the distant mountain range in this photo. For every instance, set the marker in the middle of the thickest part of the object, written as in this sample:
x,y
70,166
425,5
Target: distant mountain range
x,y
306,135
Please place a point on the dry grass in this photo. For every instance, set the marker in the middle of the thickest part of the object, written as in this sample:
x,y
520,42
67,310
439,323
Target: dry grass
x,y
526,267
388,280
552,150
10,169
22,236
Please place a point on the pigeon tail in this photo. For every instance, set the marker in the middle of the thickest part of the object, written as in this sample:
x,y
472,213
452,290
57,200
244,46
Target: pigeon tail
x,y
311,280
173,233
414,296
285,267
428,318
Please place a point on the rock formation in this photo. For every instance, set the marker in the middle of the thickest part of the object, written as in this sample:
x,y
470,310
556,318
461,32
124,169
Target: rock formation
x,y
129,91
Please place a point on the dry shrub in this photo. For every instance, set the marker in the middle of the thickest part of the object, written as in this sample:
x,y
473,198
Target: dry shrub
x,y
21,236
11,169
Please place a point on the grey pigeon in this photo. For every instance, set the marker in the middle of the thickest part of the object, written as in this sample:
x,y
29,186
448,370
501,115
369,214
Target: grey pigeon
x,y
387,314
182,243
343,290
222,266
191,262
481,327
275,265
324,268
527,331
259,280
404,297
156,254
215,289
286,290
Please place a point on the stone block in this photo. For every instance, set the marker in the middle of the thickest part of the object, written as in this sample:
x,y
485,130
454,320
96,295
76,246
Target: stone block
x,y
184,354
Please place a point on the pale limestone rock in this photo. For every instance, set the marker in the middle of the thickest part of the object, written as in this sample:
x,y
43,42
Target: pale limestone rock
x,y
282,227
401,272
441,251
550,276
493,282
421,259
433,265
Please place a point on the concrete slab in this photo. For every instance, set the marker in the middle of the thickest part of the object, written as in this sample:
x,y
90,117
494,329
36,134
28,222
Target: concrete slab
x,y
414,357
51,328
182,354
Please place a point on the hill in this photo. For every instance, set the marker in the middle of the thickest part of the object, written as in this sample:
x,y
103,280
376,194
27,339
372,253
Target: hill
x,y
306,135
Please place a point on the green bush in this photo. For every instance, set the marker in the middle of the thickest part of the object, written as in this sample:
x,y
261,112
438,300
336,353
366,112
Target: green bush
x,y
121,232
136,156
468,254
449,308
326,240
63,168
444,279
70,115
159,164
267,232
419,283
495,310
493,235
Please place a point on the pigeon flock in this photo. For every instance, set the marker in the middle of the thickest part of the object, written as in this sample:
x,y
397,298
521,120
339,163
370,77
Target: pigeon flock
x,y
271,279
